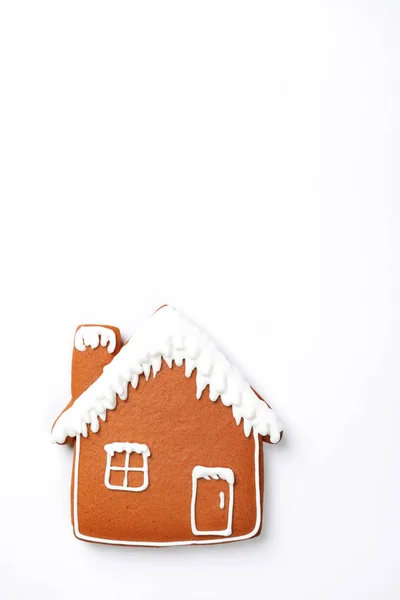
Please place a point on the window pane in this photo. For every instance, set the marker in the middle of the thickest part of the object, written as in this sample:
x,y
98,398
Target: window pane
x,y
117,477
135,479
136,460
118,460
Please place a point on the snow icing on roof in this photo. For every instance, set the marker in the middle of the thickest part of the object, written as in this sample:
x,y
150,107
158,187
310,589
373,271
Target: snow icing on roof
x,y
168,335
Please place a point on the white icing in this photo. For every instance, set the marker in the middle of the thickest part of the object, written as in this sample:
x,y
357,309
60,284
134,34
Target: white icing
x,y
168,335
93,335
221,500
200,472
128,448
217,540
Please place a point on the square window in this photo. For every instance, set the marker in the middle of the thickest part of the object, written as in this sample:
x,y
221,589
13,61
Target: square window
x,y
127,467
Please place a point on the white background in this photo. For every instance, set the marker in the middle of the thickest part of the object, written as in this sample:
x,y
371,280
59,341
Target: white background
x,y
239,160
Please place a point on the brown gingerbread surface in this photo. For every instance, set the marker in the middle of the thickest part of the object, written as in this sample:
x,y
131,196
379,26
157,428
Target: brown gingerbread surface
x,y
181,432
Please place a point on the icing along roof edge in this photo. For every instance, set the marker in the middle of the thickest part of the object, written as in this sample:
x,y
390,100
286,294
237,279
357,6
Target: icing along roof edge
x,y
170,336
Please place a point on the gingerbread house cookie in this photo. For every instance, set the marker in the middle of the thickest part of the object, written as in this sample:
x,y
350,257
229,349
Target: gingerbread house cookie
x,y
168,438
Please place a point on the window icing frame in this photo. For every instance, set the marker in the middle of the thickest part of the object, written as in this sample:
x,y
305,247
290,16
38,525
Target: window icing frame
x,y
128,449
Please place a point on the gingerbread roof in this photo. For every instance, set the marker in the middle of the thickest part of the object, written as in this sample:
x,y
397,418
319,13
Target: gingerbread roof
x,y
170,336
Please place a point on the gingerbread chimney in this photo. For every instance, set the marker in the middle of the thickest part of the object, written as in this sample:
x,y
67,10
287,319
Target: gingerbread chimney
x,y
94,347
